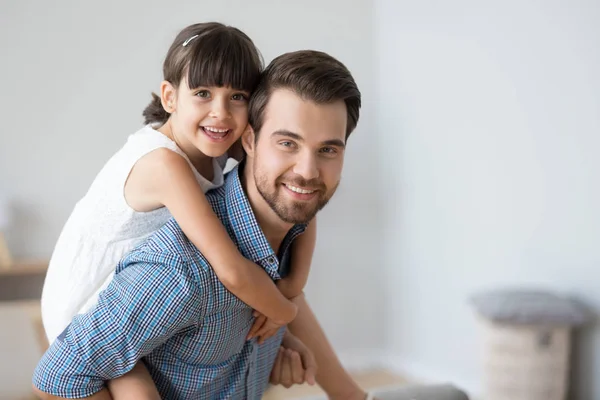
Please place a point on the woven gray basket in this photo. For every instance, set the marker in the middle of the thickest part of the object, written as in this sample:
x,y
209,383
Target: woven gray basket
x,y
530,307
526,343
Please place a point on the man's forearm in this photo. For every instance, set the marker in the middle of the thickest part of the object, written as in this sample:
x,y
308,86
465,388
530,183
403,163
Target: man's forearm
x,y
331,376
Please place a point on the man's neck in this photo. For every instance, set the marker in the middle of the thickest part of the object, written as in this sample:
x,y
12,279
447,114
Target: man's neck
x,y
271,225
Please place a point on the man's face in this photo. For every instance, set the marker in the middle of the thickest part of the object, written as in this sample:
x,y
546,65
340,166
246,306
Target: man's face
x,y
298,156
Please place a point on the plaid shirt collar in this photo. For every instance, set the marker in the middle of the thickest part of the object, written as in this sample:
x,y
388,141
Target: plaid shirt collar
x,y
250,238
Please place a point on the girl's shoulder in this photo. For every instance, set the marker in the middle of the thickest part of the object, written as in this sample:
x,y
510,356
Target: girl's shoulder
x,y
147,139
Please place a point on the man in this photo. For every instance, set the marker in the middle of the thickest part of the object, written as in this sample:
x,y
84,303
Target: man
x,y
166,305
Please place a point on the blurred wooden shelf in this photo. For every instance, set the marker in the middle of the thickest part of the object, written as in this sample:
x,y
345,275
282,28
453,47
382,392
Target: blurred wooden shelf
x,y
24,267
33,311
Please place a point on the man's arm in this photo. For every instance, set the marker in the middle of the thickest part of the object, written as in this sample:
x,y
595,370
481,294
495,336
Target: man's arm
x,y
144,305
331,376
294,364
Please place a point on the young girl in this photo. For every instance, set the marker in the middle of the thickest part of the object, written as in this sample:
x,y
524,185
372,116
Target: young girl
x,y
163,170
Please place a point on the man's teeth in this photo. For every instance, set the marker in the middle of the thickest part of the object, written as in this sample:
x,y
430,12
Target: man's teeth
x,y
298,190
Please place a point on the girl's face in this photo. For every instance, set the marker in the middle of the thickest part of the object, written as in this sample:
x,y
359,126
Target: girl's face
x,y
207,119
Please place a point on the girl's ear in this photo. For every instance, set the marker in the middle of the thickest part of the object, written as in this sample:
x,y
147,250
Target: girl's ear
x,y
168,96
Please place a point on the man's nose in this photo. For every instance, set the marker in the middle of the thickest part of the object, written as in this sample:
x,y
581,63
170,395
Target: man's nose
x,y
220,109
306,166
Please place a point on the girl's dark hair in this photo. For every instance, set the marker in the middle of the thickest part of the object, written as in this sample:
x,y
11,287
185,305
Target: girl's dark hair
x,y
213,55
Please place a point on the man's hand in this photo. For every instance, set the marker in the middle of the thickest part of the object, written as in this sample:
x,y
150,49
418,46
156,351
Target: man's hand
x,y
295,363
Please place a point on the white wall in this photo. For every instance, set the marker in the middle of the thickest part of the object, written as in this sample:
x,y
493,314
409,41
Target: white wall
x,y
75,77
490,120
475,144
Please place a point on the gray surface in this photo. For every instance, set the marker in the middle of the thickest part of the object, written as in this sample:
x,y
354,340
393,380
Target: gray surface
x,y
421,392
413,392
530,307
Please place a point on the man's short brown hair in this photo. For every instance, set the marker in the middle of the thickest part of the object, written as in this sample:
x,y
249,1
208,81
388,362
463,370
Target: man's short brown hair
x,y
312,75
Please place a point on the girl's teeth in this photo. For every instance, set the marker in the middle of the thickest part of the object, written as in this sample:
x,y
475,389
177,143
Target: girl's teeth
x,y
216,133
215,130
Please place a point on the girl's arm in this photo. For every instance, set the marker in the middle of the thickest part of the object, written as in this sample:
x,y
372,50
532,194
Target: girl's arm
x,y
162,177
302,253
292,285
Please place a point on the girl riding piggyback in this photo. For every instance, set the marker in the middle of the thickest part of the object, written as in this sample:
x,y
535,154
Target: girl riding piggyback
x,y
163,171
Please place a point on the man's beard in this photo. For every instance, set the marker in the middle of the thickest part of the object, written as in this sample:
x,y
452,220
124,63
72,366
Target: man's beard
x,y
298,212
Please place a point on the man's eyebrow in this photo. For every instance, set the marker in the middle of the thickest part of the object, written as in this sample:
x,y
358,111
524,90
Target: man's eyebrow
x,y
291,135
335,142
295,136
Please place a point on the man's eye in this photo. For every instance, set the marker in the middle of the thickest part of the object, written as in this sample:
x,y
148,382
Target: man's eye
x,y
329,150
203,93
287,143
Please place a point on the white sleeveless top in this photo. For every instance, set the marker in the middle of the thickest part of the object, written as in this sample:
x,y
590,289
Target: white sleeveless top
x,y
101,230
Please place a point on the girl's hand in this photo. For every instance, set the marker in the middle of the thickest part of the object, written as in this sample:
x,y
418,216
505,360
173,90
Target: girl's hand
x,y
263,328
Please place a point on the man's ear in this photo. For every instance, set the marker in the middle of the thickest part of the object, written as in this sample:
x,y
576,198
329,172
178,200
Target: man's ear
x,y
248,141
168,96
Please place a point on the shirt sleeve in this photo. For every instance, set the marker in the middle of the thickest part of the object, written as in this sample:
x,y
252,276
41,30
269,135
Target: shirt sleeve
x,y
144,305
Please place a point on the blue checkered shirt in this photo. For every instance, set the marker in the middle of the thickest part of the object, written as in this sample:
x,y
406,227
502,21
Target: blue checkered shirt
x,y
166,306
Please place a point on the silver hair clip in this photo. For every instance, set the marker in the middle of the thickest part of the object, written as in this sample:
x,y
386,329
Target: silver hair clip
x,y
189,40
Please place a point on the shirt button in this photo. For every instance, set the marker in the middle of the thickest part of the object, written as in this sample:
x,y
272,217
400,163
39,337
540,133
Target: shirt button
x,y
271,260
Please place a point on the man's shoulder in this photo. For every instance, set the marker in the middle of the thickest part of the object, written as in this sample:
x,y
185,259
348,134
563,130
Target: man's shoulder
x,y
166,246
216,197
220,199
170,245
168,241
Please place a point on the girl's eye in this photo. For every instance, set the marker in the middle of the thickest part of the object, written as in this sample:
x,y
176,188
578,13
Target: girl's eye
x,y
204,94
239,97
